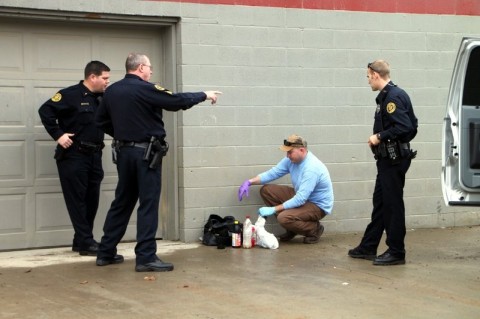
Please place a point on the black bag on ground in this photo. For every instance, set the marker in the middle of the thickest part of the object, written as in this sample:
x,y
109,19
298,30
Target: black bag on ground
x,y
216,231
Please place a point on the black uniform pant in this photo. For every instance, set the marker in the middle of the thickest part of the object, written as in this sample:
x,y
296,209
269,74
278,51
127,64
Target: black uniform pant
x,y
388,208
136,181
80,177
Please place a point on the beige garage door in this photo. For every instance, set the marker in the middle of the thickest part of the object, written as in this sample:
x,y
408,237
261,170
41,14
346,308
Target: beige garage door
x,y
37,59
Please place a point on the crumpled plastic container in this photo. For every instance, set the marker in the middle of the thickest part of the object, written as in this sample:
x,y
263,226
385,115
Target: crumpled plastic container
x,y
264,238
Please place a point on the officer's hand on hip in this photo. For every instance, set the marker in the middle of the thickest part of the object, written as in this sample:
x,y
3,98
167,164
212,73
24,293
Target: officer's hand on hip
x,y
65,141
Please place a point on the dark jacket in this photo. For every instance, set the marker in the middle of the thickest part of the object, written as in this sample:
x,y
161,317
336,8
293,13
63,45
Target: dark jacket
x,y
132,108
394,117
72,110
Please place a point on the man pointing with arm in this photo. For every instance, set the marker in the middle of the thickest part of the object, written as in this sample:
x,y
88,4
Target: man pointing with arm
x,y
132,112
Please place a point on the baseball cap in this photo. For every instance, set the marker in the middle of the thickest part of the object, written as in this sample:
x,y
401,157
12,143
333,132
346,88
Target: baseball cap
x,y
293,141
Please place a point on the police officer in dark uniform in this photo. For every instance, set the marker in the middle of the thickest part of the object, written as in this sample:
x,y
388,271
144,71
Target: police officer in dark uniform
x,y
395,126
131,112
69,119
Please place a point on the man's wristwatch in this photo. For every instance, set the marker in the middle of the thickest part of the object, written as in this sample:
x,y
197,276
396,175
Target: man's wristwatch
x,y
378,136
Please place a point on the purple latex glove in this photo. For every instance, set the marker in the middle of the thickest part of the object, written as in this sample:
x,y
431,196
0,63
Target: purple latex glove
x,y
243,190
266,211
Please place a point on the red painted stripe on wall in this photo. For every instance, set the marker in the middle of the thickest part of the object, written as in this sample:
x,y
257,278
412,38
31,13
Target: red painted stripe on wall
x,y
449,7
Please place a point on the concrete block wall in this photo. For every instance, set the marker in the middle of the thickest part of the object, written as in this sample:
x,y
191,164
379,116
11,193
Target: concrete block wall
x,y
286,70
299,71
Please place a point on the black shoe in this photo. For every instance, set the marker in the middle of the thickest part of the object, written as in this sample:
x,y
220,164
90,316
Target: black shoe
x,y
76,247
157,265
359,252
118,259
90,251
387,259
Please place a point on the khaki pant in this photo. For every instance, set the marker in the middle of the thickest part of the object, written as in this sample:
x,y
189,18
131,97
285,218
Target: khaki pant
x,y
301,220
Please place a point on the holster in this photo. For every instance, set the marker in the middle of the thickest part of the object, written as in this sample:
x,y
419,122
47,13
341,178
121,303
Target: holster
x,y
155,151
115,147
379,151
406,151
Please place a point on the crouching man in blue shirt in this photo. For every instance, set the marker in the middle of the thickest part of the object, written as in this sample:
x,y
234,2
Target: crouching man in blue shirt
x,y
300,208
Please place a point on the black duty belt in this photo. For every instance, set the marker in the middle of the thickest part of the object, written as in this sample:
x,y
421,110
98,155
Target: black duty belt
x,y
385,149
132,144
90,147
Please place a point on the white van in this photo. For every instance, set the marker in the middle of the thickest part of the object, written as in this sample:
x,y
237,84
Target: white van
x,y
461,129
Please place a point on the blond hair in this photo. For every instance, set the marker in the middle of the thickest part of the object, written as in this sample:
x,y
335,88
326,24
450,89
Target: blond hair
x,y
381,67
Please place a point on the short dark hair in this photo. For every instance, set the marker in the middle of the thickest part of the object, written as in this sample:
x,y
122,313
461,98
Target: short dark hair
x,y
96,68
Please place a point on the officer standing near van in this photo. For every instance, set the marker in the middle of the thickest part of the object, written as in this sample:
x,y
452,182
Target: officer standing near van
x,y
132,114
69,119
394,127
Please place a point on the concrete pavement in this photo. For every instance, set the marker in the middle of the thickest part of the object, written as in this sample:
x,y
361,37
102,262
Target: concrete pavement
x,y
441,279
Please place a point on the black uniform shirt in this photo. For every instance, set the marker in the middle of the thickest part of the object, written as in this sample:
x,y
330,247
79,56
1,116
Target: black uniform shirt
x,y
72,110
132,108
394,116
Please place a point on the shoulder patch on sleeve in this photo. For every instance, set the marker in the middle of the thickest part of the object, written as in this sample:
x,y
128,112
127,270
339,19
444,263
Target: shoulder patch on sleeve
x,y
57,97
158,87
391,107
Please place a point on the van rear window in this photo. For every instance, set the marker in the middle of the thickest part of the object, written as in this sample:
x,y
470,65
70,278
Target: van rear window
x,y
471,90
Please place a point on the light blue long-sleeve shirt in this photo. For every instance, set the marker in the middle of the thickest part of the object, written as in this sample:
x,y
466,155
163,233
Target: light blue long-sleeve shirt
x,y
310,179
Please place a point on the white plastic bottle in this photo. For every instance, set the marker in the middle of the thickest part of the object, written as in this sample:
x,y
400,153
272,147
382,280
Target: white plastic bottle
x,y
247,233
